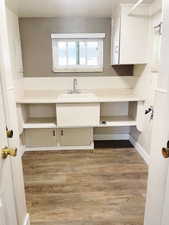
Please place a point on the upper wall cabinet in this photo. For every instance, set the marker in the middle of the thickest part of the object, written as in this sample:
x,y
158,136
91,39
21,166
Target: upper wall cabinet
x,y
130,33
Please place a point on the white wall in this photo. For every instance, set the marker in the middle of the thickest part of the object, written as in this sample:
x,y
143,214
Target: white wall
x,y
147,82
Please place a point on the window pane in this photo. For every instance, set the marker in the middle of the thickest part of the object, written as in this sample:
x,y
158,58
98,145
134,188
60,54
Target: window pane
x,y
72,53
92,53
82,53
62,53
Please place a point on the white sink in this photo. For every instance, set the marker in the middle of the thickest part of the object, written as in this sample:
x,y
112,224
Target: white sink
x,y
84,110
81,96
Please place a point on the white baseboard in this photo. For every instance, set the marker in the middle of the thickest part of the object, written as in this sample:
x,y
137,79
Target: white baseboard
x,y
104,137
98,137
27,220
140,150
58,148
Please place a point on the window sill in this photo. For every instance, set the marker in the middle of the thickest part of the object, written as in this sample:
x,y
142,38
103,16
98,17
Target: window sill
x,y
91,70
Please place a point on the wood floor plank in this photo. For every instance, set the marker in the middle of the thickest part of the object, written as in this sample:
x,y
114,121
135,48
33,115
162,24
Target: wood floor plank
x,y
106,187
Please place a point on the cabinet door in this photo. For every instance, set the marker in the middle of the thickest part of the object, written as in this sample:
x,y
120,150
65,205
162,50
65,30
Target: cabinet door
x,y
78,115
75,136
40,137
134,35
116,41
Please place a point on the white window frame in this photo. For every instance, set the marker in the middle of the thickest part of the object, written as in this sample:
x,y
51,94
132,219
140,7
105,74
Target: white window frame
x,y
78,37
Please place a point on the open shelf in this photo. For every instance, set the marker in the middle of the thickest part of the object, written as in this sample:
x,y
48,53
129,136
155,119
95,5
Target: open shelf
x,y
119,114
117,121
40,123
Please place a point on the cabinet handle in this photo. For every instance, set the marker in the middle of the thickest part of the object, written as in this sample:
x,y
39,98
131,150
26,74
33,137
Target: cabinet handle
x,y
54,134
61,133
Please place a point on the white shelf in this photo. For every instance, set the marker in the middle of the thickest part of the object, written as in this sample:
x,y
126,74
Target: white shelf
x,y
40,123
111,121
117,121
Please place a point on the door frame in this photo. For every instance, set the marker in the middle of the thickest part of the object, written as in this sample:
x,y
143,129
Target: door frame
x,y
8,90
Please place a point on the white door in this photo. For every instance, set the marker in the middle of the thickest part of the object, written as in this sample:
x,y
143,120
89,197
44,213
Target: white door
x,y
8,90
165,213
165,210
157,212
7,201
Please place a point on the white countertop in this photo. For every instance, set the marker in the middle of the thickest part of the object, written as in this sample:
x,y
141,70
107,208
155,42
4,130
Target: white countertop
x,y
102,95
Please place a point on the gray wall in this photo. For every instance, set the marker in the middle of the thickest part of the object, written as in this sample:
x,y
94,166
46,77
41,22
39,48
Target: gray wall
x,y
37,46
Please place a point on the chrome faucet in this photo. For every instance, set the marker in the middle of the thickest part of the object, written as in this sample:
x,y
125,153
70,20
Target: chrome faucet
x,y
74,89
75,86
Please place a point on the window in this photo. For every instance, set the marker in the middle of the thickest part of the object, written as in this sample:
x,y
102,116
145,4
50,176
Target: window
x,y
77,52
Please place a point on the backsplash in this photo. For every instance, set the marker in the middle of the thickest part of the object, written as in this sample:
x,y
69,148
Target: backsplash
x,y
64,83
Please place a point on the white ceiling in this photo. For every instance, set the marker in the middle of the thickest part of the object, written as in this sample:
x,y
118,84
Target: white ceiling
x,y
61,8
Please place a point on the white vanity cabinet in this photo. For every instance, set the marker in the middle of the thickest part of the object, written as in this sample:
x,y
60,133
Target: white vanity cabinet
x,y
40,137
75,136
129,35
66,138
40,125
57,125
78,115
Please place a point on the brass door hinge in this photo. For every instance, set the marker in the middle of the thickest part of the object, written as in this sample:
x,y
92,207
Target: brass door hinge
x,y
9,133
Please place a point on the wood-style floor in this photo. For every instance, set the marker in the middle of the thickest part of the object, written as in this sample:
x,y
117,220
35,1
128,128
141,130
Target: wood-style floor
x,y
106,187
